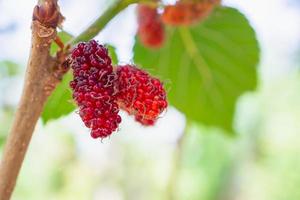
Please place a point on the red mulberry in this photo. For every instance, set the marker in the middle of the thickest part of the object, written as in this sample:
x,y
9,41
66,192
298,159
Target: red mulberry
x,y
188,12
93,88
140,94
150,27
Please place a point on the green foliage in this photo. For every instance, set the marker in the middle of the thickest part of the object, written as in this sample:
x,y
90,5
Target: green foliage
x,y
6,118
2,140
209,66
8,68
205,165
113,54
60,102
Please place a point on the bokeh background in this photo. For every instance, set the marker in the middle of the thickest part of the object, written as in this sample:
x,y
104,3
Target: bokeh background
x,y
261,162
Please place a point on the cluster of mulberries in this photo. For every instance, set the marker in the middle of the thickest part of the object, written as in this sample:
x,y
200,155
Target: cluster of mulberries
x,y
151,30
93,88
188,12
140,94
150,27
98,90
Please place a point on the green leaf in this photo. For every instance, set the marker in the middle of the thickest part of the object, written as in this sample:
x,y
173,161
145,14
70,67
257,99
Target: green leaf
x,y
60,102
112,54
208,66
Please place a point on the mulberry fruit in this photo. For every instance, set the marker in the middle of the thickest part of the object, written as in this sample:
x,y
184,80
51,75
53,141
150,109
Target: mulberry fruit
x,y
188,12
93,88
140,94
150,27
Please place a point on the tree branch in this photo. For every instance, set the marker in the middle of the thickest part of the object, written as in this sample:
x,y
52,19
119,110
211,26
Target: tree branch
x,y
41,78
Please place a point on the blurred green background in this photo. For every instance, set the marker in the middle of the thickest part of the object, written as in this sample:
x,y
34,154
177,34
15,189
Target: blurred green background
x,y
179,158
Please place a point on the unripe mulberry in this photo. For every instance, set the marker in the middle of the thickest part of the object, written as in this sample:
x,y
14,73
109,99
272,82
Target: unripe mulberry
x,y
93,88
140,94
186,12
150,27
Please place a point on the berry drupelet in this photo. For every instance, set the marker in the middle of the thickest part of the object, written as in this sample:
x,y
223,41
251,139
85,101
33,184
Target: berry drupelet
x,y
93,88
140,94
188,12
150,27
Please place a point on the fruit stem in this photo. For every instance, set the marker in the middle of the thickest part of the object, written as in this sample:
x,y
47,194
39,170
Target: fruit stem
x,y
59,43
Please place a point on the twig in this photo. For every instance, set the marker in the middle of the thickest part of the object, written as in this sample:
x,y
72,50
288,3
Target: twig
x,y
42,76
39,82
106,17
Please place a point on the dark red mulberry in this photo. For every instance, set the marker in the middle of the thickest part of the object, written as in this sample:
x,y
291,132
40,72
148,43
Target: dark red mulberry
x,y
93,88
150,27
188,12
140,94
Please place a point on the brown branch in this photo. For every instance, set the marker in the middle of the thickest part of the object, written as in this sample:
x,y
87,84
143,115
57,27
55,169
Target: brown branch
x,y
42,75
